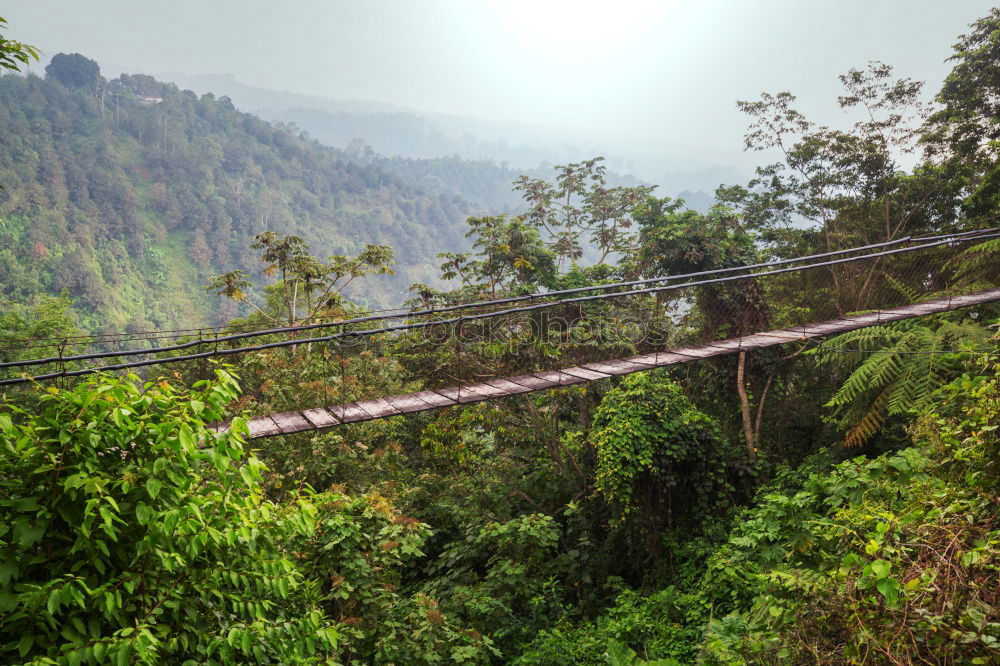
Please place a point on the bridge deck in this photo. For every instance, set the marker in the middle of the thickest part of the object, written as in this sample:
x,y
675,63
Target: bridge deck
x,y
320,418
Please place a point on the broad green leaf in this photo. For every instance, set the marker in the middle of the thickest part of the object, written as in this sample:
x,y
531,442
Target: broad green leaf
x,y
881,568
153,487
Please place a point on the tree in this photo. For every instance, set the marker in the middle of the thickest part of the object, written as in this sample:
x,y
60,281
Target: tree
x,y
659,458
966,129
74,71
581,207
510,253
848,183
14,54
675,242
306,286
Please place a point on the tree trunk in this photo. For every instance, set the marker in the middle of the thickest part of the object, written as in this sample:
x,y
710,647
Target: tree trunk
x,y
745,405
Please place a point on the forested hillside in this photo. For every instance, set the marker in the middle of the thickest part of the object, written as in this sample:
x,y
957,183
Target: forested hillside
x,y
129,194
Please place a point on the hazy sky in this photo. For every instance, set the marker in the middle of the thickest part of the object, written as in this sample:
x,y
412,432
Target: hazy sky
x,y
652,76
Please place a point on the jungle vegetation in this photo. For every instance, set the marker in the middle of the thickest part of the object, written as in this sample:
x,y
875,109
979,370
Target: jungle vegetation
x,y
833,503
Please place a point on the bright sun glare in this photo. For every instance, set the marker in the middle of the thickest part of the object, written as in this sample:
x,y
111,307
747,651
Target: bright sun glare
x,y
558,25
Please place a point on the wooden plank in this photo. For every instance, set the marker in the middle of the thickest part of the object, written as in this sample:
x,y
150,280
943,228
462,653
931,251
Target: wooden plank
x,y
507,386
377,407
262,426
485,389
433,399
828,328
782,334
350,413
559,377
407,404
320,418
734,343
477,393
759,340
605,367
617,367
291,422
660,359
670,358
867,319
898,313
584,373
648,360
971,299
462,394
533,382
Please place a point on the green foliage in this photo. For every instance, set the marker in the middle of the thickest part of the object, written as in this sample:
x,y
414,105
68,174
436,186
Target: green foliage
x,y
617,522
967,122
74,71
510,254
656,452
622,655
892,559
131,534
13,54
580,207
673,241
358,550
658,628
893,369
979,264
98,181
37,329
504,578
307,286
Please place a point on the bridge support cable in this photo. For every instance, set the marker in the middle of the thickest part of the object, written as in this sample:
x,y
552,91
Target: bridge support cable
x,y
321,418
921,243
913,272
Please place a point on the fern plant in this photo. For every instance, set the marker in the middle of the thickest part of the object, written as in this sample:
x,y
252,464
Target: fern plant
x,y
893,369
979,265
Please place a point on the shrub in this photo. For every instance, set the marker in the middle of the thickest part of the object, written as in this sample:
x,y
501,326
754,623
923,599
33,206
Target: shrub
x,y
131,534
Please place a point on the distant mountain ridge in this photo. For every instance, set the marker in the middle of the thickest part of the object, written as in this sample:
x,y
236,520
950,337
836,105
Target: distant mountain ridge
x,y
128,194
412,133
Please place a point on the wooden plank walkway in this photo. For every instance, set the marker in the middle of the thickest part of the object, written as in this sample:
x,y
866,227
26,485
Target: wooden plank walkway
x,y
320,418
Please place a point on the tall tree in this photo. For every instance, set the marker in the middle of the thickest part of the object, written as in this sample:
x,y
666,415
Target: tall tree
x,y
307,286
74,71
580,207
851,185
966,129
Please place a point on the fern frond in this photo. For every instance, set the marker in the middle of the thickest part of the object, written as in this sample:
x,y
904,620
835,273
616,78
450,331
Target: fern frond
x,y
911,295
862,339
869,424
908,367
978,259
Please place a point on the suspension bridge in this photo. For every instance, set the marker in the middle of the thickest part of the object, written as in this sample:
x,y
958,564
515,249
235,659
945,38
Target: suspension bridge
x,y
321,418
898,269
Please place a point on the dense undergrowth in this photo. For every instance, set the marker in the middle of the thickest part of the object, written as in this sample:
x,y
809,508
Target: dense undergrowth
x,y
130,533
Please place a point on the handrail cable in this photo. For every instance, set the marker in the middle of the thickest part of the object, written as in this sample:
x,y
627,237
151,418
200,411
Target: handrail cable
x,y
947,238
426,324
